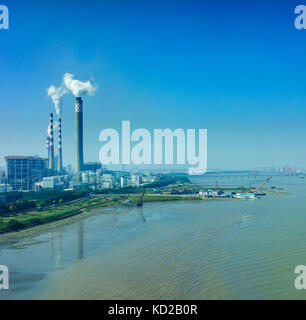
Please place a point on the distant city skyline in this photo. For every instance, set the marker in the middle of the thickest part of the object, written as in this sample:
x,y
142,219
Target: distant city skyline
x,y
235,69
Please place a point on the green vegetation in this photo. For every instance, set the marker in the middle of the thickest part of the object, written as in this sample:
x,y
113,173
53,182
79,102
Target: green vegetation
x,y
14,225
21,221
33,208
37,217
24,201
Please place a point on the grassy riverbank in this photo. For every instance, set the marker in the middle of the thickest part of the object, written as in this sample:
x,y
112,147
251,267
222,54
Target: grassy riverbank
x,y
43,216
38,217
33,218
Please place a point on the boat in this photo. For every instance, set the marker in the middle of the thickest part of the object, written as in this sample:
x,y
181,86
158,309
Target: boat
x,y
260,194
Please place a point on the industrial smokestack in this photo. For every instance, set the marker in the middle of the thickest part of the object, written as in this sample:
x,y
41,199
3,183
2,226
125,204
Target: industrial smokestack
x,y
78,89
60,156
51,158
48,149
79,134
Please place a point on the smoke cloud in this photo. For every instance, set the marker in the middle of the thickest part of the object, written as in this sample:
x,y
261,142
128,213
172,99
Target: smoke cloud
x,y
56,96
77,87
55,125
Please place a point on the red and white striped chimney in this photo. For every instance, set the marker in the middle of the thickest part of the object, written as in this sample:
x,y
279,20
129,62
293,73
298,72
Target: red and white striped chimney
x,y
51,158
48,149
60,156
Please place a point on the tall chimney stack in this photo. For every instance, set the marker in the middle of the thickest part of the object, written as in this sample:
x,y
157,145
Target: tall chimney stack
x,y
60,156
79,134
51,158
48,149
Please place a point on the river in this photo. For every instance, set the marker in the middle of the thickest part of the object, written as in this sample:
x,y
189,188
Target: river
x,y
184,250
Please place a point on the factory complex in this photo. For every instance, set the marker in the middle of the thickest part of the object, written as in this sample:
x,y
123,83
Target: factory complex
x,y
33,173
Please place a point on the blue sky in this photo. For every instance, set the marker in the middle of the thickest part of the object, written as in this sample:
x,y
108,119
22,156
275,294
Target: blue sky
x,y
237,69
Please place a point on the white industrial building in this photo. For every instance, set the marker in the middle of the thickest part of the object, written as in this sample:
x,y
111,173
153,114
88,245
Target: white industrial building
x,y
107,181
55,182
134,182
148,179
210,193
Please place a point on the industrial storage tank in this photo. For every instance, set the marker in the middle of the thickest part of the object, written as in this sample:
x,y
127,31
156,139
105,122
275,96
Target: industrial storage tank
x,y
85,177
92,178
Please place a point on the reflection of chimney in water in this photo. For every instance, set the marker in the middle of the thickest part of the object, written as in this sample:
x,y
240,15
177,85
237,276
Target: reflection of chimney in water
x,y
59,252
52,245
80,240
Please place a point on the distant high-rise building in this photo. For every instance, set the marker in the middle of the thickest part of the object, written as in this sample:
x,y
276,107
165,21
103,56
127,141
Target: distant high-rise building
x,y
23,171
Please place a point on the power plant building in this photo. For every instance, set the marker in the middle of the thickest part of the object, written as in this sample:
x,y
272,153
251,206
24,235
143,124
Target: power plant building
x,y
107,181
55,182
23,172
92,166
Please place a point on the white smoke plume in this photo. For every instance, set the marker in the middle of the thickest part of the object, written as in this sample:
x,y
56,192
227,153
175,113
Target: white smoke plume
x,y
56,96
55,125
77,87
